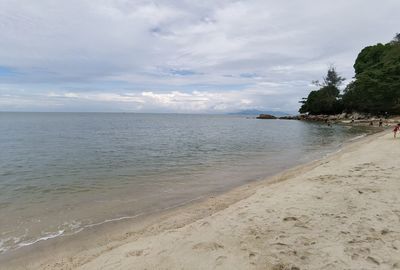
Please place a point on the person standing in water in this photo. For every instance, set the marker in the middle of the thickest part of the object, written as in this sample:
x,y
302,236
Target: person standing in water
x,y
395,130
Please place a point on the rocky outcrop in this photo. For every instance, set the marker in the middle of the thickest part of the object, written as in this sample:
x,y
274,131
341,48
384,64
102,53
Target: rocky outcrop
x,y
291,117
357,118
266,116
360,119
324,118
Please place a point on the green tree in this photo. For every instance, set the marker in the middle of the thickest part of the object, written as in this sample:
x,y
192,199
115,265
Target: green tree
x,y
332,78
325,100
376,88
396,38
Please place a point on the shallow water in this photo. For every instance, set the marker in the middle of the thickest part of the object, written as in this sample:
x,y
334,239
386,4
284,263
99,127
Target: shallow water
x,y
63,172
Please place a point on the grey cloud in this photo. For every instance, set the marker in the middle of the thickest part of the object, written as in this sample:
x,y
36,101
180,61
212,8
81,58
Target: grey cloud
x,y
179,45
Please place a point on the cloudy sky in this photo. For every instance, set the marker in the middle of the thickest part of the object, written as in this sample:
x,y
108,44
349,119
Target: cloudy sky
x,y
209,56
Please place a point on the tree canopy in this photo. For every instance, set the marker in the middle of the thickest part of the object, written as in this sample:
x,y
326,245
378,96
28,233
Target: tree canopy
x,y
326,99
375,89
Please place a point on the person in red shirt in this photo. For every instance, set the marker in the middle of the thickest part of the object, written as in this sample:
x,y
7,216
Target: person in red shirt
x,y
396,129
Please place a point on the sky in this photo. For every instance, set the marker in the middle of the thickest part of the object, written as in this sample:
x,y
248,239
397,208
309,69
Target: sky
x,y
180,56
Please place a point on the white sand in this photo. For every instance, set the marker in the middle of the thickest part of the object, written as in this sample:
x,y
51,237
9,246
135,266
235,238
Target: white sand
x,y
342,214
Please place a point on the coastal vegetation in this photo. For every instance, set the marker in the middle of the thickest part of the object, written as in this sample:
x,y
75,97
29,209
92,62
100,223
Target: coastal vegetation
x,y
375,89
327,99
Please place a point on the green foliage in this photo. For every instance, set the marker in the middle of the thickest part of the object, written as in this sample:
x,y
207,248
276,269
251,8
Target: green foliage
x,y
375,90
369,57
326,99
333,79
396,38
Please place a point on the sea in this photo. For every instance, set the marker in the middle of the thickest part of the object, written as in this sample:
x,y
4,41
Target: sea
x,y
61,173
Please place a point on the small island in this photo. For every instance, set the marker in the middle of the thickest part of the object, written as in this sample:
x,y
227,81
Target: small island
x,y
266,116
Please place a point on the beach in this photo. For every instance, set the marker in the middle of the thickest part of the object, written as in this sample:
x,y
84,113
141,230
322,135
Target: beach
x,y
341,212
196,135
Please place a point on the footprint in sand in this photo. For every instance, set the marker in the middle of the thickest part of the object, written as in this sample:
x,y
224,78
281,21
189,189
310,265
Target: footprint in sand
x,y
205,223
208,246
289,219
373,260
282,266
242,214
134,253
252,255
220,260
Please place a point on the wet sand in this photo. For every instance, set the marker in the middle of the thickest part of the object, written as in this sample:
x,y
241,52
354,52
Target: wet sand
x,y
342,212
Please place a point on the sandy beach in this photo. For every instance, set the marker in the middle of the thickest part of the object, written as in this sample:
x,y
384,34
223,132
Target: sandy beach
x,y
342,212
198,135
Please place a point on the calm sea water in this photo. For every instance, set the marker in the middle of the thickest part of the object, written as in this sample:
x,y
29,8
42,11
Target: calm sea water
x,y
63,172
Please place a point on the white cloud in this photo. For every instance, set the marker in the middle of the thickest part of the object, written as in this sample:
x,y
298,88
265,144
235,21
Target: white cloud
x,y
192,55
148,101
174,101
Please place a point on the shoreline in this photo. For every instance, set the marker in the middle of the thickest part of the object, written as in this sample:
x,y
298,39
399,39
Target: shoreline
x,y
168,219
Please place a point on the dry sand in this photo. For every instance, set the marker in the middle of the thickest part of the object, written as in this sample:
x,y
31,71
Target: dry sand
x,y
339,213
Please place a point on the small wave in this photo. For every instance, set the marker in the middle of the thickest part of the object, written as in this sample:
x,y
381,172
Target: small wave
x,y
3,248
108,221
358,137
334,152
77,228
43,238
8,243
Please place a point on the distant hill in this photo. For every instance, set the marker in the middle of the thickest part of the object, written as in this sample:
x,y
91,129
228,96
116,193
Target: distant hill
x,y
258,112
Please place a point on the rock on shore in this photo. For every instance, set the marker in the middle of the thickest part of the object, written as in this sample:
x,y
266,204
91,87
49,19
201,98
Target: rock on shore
x,y
345,118
266,116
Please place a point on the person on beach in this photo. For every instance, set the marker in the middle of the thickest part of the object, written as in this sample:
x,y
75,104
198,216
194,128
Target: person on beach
x,y
380,122
395,130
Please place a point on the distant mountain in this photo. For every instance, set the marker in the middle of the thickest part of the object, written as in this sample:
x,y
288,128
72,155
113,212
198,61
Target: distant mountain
x,y
258,112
